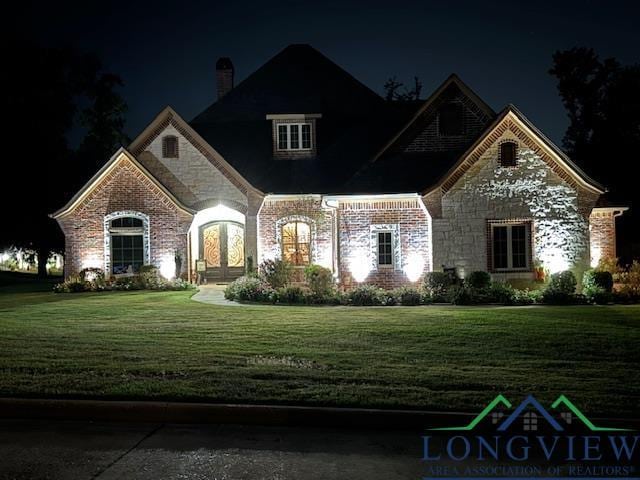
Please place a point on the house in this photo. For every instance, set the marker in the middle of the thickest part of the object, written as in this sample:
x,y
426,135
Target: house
x,y
303,162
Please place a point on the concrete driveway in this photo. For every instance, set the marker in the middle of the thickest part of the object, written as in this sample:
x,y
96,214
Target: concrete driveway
x,y
84,450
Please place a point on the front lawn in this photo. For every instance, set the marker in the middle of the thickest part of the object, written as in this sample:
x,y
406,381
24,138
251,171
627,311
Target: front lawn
x,y
162,345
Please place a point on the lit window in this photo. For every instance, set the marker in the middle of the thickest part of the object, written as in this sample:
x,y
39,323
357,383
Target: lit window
x,y
385,249
296,243
170,146
127,245
530,422
450,120
508,154
295,136
511,246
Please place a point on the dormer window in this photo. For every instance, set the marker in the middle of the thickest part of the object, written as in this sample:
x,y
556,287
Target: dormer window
x,y
294,135
170,146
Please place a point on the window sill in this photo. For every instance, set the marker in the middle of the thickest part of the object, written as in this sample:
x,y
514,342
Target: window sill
x,y
513,270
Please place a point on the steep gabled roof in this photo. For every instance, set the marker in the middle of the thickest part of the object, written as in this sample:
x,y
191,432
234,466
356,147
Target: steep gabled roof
x,y
299,80
166,117
424,172
121,155
511,118
452,80
396,167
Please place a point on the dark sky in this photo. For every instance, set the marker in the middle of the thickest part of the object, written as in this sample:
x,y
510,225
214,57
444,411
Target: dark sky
x,y
166,51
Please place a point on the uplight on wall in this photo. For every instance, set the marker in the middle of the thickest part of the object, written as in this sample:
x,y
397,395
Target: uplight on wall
x,y
414,266
359,266
168,268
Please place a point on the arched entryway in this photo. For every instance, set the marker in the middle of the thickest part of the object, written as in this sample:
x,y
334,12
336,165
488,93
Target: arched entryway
x,y
222,249
217,239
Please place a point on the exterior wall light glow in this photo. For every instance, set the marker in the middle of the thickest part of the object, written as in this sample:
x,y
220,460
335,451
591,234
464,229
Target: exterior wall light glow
x,y
555,260
359,266
168,268
92,262
596,255
414,267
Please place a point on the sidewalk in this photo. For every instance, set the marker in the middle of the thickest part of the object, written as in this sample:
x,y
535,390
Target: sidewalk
x,y
213,294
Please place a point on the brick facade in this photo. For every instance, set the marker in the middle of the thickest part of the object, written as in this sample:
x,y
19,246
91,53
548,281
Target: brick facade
x,y
602,228
275,212
358,220
124,188
429,138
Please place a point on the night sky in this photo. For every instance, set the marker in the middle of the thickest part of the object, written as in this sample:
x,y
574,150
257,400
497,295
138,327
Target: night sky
x,y
166,51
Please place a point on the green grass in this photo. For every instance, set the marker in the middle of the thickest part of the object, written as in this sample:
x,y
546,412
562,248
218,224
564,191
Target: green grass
x,y
164,346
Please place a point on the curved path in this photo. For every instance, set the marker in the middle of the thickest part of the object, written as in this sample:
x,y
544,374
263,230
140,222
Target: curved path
x,y
213,294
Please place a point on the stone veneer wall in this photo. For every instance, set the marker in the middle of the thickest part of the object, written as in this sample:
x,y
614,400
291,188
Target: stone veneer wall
x,y
275,212
357,244
531,190
125,188
195,171
602,227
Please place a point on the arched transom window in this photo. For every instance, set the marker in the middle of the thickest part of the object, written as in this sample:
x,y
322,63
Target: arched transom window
x,y
126,235
296,243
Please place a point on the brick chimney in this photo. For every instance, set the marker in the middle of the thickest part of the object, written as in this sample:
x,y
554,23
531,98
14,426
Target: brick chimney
x,y
224,76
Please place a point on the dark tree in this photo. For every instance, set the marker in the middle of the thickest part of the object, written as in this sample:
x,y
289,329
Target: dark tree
x,y
49,92
602,98
392,91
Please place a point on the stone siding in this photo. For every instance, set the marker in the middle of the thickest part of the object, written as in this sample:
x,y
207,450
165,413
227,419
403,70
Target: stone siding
x,y
530,191
195,171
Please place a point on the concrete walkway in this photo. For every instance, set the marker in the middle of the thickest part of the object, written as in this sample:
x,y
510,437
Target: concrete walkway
x,y
213,294
87,450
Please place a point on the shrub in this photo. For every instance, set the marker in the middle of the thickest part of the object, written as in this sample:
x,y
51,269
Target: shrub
x,y
292,294
276,273
389,298
500,292
630,280
127,283
561,289
408,296
597,279
92,275
249,289
365,295
597,286
464,295
72,285
525,297
437,285
608,264
319,279
178,284
150,278
479,280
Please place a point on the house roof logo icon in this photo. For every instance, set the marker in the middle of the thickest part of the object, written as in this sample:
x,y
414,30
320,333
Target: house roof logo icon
x,y
530,401
528,404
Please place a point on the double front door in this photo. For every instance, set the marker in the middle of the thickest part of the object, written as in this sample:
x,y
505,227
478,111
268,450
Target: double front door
x,y
222,248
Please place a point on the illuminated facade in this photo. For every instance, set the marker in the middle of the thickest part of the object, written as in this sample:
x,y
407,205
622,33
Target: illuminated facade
x,y
300,161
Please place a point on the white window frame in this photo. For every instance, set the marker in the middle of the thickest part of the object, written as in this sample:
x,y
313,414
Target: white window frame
x,y
393,246
289,127
509,226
